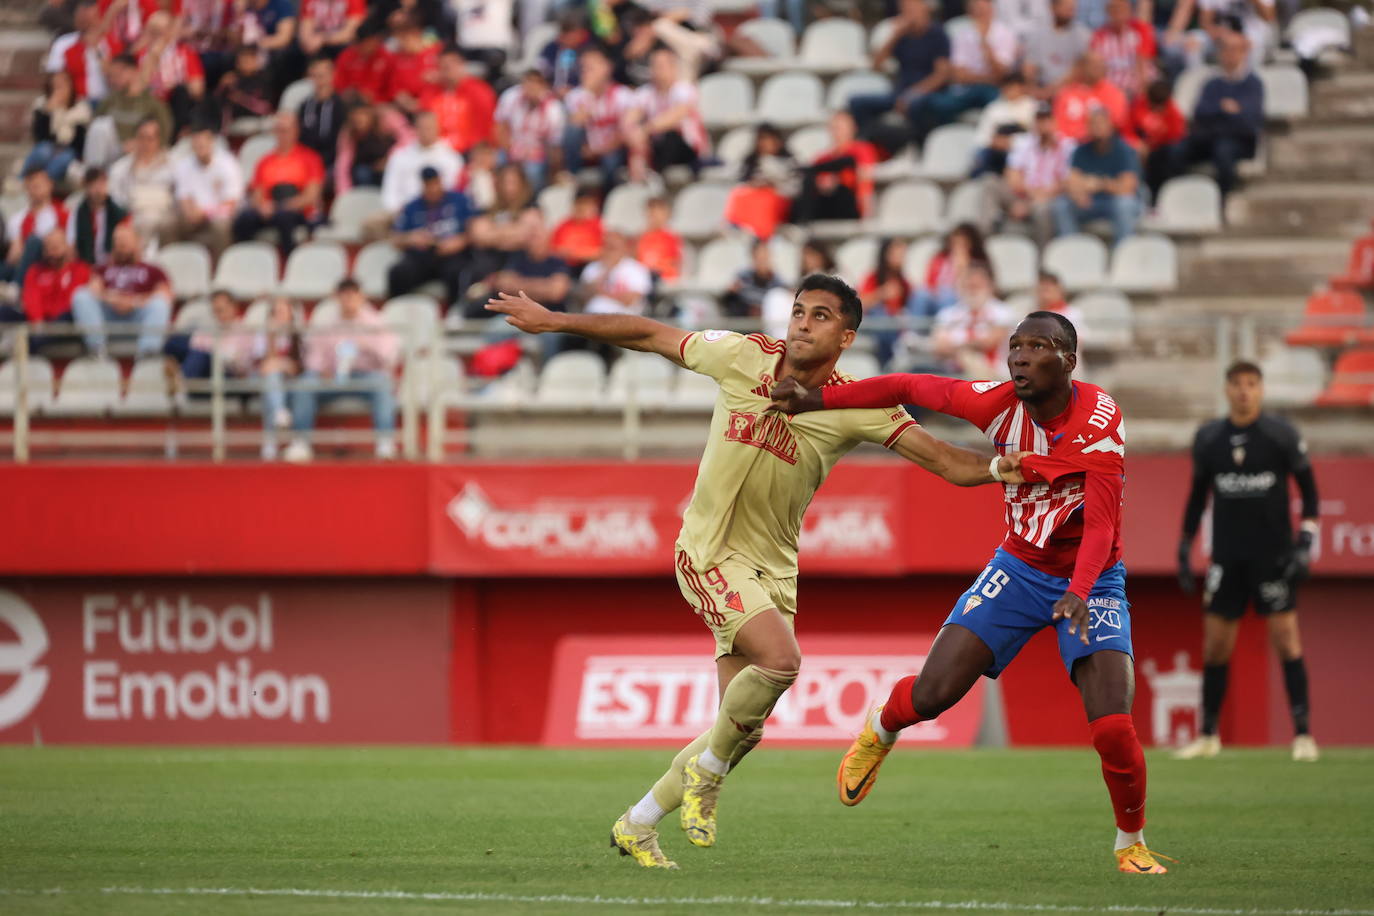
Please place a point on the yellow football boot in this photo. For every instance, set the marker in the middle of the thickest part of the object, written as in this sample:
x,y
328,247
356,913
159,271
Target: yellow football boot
x,y
700,792
1136,859
639,843
859,766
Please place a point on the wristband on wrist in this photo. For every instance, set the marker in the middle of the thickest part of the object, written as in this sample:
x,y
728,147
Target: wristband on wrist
x,y
994,470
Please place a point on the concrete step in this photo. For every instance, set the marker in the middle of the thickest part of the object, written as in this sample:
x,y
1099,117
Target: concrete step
x,y
1363,40
1226,266
1345,95
1308,209
14,114
1324,153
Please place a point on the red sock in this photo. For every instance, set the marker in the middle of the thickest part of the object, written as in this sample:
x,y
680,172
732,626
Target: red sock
x,y
898,712
1123,768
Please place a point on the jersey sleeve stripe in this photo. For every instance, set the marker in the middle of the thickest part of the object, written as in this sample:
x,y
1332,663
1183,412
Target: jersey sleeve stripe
x,y
682,346
897,433
767,344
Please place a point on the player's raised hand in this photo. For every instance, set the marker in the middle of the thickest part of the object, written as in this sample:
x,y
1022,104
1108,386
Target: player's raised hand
x,y
1075,610
790,396
523,312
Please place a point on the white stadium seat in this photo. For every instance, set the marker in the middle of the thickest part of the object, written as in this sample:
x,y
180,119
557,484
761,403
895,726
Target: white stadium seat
x,y
1145,264
350,211
651,377
295,94
252,151
314,270
1189,204
917,261
415,312
248,269
324,314
808,143
572,378
1188,87
735,147
1285,91
948,153
88,386
1293,376
555,202
856,259
533,44
255,316
773,35
699,210
40,384
966,204
371,266
718,262
833,46
856,82
910,208
1312,31
1015,262
786,257
1080,261
695,390
192,316
147,395
859,364
880,34
727,99
624,208
1106,316
791,99
187,265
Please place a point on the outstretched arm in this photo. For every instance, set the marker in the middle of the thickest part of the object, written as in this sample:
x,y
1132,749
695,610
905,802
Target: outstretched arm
x,y
959,466
629,331
933,392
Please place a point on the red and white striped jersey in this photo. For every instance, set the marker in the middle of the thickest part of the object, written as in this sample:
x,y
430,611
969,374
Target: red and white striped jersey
x,y
1121,52
603,113
652,102
532,126
329,16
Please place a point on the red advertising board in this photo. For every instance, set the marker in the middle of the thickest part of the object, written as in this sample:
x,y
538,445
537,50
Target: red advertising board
x,y
203,662
625,690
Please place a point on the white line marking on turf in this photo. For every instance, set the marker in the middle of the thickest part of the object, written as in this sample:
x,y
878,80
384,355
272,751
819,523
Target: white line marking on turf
x,y
481,897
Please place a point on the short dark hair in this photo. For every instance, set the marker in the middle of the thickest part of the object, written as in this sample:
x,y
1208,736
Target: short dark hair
x,y
1050,277
1065,325
93,173
347,285
125,60
36,170
452,50
221,291
1244,367
851,307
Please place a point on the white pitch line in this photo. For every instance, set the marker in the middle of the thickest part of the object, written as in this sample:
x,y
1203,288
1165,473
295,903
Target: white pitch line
x,y
598,900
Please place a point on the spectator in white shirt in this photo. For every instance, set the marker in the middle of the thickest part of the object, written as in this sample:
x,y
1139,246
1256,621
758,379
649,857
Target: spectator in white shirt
x,y
142,181
980,54
1037,168
209,188
401,181
970,336
615,283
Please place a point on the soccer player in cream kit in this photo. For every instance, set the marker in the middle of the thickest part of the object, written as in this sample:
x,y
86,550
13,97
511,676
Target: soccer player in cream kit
x,y
736,556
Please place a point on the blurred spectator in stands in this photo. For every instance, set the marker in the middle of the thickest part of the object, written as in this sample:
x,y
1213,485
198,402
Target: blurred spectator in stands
x,y
659,248
172,71
362,67
58,16
127,17
816,258
1228,118
52,281
245,92
1053,50
91,227
431,233
1158,125
401,182
285,190
663,124
768,179
615,283
26,229
464,104
372,132
921,49
118,115
1037,169
884,294
485,31
142,182
839,184
686,27
355,358
945,271
208,26
529,126
507,226
1049,297
58,125
1025,18
1011,113
1088,89
479,177
277,356
970,336
633,44
980,55
1127,47
270,27
433,15
580,238
209,190
596,108
227,336
414,70
559,58
84,54
124,290
1092,14
1251,19
745,295
1103,183
327,27
537,270
323,114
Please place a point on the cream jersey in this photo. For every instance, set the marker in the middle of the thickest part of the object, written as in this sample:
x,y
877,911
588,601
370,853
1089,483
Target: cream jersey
x,y
761,467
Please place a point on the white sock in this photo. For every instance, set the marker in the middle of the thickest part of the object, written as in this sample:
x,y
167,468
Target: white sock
x,y
885,736
647,812
1126,838
710,762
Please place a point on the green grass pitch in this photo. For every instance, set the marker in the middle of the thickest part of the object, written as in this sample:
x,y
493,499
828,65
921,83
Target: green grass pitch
x,y
512,830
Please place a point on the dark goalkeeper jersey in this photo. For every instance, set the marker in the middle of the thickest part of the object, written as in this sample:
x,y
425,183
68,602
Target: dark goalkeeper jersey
x,y
1246,468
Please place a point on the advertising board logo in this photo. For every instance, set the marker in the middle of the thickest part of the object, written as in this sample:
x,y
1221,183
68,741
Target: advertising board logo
x,y
1174,705
556,526
847,527
19,659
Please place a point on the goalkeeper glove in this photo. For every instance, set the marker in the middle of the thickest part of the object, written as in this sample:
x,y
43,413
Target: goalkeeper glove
x,y
1299,562
1186,580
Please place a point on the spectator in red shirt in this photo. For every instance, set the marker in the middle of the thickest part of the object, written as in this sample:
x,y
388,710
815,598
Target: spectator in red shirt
x,y
363,66
1157,124
124,289
285,190
328,26
464,104
414,69
27,228
839,184
1127,46
1088,89
578,239
48,289
760,203
659,248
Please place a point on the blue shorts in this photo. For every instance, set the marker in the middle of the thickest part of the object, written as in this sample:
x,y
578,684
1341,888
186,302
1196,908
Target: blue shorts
x,y
1011,602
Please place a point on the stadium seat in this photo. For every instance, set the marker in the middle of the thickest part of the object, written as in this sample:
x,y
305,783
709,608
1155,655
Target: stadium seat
x,y
735,147
808,143
965,204
918,255
833,46
426,378
295,94
1314,30
1359,273
880,34
1352,381
573,378
416,313
324,314
1020,303
1079,260
187,265
948,153
1188,87
252,151
533,44
718,262
1332,318
773,35
314,270
40,385
147,395
555,202
786,258
1189,204
651,377
348,213
192,316
255,316
1014,262
1293,377
856,82
727,99
694,390
371,265
624,208
1285,91
859,364
856,259
910,208
1145,264
791,99
248,269
699,210
1107,318
88,386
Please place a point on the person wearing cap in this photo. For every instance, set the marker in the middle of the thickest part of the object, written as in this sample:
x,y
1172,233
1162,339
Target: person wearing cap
x,y
1104,182
1037,168
431,233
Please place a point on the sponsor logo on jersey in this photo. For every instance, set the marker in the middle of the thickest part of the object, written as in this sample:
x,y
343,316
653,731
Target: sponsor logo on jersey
x,y
1235,484
768,431
1111,604
1238,455
984,387
592,527
713,335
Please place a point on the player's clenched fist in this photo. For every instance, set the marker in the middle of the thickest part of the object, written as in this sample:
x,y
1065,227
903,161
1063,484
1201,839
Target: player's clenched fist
x,y
524,313
790,396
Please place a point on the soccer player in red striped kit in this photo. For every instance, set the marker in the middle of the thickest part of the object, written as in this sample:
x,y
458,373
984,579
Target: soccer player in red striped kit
x,y
1059,565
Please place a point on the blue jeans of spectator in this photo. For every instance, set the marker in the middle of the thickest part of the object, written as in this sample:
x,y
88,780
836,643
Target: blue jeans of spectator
x,y
374,386
927,303
574,139
365,176
50,157
1124,211
536,173
91,314
250,222
945,106
796,11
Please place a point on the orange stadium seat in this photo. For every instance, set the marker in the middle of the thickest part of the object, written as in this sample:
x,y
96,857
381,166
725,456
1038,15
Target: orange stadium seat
x,y
1352,384
1333,318
1360,272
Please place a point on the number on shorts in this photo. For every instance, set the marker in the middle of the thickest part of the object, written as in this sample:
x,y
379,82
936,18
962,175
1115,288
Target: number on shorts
x,y
716,579
995,583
